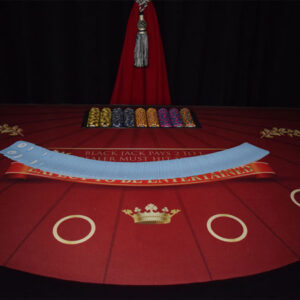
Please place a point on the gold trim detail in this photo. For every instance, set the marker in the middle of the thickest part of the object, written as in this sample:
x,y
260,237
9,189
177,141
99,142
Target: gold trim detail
x,y
270,133
11,130
151,214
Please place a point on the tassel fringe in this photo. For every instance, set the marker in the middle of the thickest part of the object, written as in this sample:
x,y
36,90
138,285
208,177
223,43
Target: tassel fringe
x,y
141,50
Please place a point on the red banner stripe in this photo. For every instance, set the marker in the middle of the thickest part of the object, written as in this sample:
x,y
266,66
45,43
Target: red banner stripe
x,y
257,169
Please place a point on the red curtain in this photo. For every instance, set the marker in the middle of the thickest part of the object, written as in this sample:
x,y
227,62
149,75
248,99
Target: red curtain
x,y
149,85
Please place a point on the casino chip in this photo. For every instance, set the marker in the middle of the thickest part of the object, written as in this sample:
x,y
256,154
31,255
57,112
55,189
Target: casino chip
x,y
117,118
93,117
187,118
140,117
175,117
129,120
152,117
164,119
105,117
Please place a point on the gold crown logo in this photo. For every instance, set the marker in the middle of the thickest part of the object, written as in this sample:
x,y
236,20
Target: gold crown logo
x,y
151,214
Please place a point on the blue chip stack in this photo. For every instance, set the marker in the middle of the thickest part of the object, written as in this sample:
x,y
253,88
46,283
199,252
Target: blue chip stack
x,y
175,117
117,118
129,119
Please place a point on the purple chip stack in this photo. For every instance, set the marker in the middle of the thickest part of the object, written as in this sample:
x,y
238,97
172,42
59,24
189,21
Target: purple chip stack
x,y
175,117
164,119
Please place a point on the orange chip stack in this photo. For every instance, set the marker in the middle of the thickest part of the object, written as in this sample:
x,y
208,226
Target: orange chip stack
x,y
152,117
187,118
140,117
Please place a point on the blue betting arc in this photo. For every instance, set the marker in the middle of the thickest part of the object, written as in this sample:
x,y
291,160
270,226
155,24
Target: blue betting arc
x,y
69,165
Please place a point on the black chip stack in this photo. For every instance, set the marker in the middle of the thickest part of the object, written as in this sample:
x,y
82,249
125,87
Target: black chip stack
x,y
129,118
117,118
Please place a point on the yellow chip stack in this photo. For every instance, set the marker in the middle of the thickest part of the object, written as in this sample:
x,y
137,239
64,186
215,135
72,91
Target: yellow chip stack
x,y
94,117
152,117
140,117
105,117
187,118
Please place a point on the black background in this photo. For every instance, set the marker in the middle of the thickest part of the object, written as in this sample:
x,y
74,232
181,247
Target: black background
x,y
237,53
278,284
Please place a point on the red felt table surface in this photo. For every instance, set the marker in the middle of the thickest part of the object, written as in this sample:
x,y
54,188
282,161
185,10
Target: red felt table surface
x,y
183,251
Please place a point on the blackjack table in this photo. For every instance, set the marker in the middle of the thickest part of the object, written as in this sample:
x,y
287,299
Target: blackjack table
x,y
204,229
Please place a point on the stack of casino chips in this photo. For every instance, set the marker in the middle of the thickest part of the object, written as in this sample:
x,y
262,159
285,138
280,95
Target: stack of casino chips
x,y
105,117
187,118
117,118
152,117
94,117
140,117
129,120
175,117
164,119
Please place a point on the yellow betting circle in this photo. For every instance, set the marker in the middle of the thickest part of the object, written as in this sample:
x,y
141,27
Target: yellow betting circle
x,y
293,193
234,240
68,242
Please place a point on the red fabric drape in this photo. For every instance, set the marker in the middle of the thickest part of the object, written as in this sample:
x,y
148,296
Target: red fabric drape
x,y
148,85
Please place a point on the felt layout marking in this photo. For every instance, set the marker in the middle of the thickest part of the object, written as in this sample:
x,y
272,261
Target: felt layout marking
x,y
234,240
293,193
73,242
